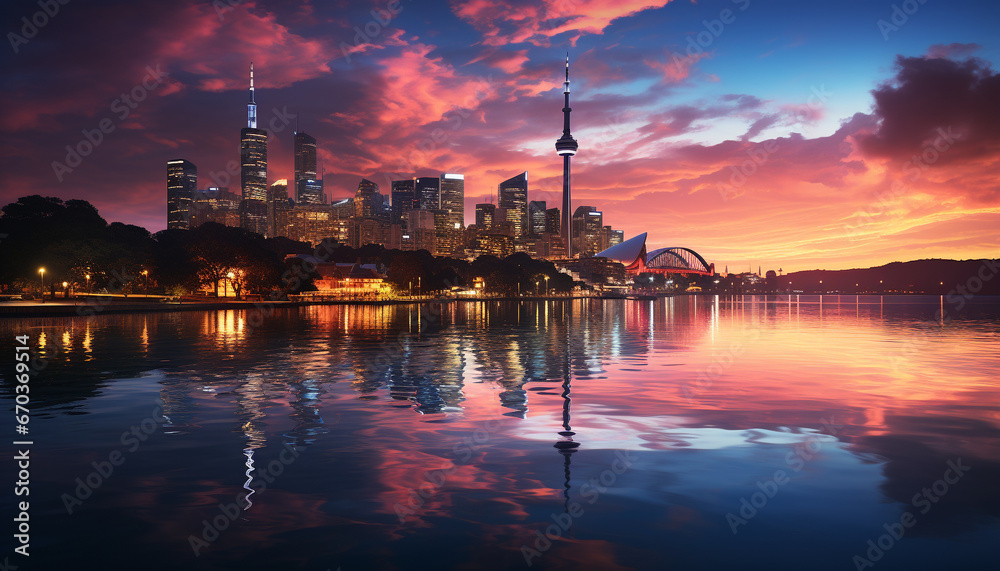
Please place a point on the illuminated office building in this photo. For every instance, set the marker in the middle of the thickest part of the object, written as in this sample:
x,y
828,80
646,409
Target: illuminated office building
x,y
182,183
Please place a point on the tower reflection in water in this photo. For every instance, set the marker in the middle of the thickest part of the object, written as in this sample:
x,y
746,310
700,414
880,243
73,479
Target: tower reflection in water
x,y
566,445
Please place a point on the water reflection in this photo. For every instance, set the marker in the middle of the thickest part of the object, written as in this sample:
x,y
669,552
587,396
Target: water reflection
x,y
471,424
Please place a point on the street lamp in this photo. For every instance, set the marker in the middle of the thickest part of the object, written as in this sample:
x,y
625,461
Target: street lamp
x,y
145,279
41,273
418,284
538,283
546,285
65,291
88,283
230,275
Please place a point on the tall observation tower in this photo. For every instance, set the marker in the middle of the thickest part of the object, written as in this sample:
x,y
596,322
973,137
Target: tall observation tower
x,y
566,147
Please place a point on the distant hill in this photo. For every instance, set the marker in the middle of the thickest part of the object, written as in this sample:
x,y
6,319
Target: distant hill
x,y
935,276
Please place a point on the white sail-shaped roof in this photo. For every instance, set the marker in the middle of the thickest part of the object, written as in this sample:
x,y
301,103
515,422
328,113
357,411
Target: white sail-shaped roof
x,y
627,252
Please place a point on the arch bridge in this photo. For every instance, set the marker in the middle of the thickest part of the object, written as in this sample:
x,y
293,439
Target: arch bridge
x,y
678,260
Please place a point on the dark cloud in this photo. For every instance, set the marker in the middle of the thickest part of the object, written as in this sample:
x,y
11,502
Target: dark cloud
x,y
932,97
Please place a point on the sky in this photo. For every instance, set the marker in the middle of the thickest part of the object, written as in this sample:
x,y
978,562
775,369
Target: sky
x,y
783,134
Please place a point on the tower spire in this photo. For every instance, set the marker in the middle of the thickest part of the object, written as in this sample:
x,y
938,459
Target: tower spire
x,y
252,105
566,147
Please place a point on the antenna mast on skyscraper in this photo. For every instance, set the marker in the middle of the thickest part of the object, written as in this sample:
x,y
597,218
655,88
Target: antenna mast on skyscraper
x,y
252,106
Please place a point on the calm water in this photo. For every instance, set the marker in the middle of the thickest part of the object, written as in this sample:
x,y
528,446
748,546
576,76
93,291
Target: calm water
x,y
687,433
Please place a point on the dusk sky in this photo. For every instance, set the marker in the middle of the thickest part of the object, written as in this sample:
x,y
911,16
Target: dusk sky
x,y
822,107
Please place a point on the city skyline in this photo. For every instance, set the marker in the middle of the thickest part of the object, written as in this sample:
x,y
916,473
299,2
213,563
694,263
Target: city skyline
x,y
707,126
392,219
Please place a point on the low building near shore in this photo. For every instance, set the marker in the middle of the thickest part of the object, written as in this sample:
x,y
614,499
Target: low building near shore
x,y
347,281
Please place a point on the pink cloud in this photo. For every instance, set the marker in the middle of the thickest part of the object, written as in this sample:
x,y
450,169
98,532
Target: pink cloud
x,y
676,68
280,56
508,62
804,112
430,87
505,22
187,41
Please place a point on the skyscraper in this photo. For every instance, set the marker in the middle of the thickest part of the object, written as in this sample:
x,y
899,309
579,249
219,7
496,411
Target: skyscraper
x,y
253,170
277,208
420,229
215,204
552,221
308,188
513,194
536,217
588,230
484,215
309,191
368,201
453,203
566,147
428,192
402,199
443,233
182,183
453,198
611,237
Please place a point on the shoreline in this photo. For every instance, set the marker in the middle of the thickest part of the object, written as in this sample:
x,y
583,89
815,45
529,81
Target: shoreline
x,y
80,308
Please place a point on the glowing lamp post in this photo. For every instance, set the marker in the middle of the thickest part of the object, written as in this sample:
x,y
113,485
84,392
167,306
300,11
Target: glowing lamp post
x,y
230,275
65,290
538,284
145,279
41,274
88,283
546,285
